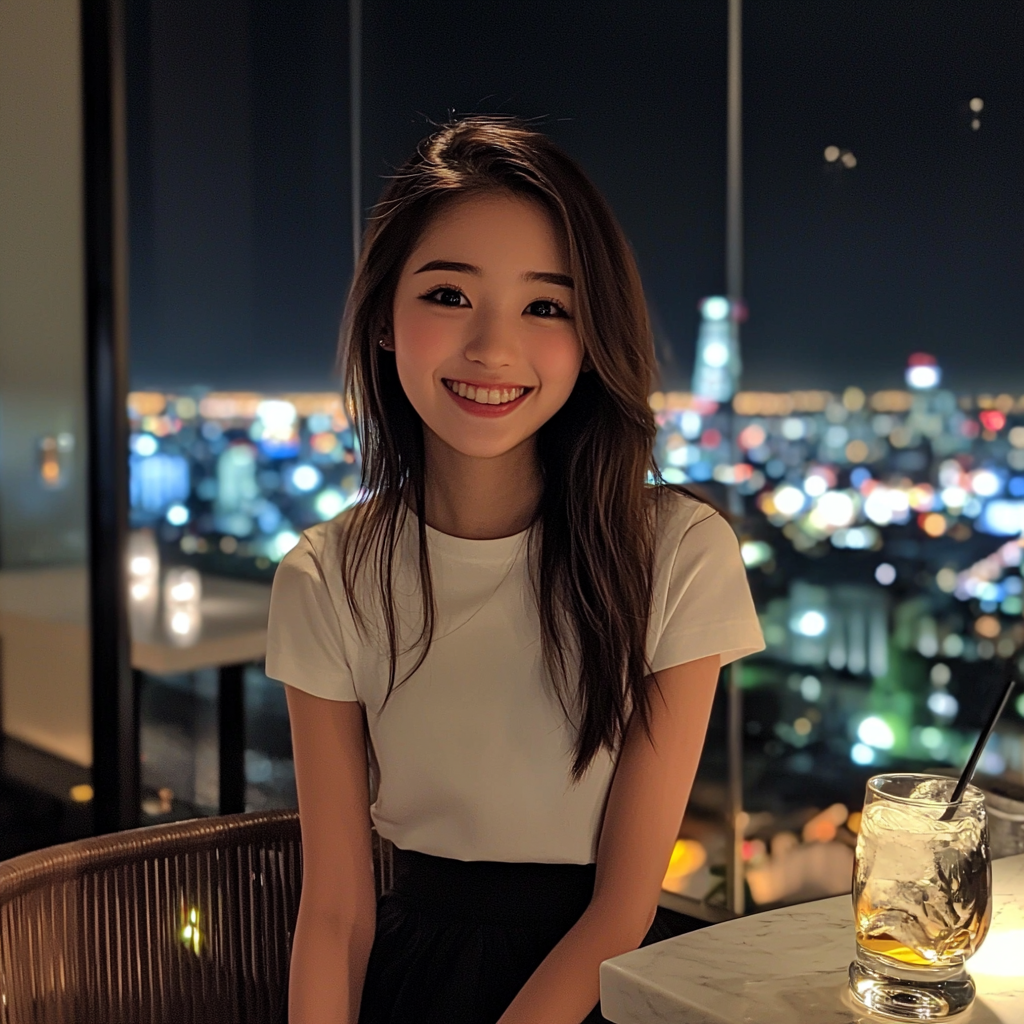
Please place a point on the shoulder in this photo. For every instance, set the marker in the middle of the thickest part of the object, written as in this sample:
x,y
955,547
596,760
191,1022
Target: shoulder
x,y
316,557
690,534
680,516
703,604
306,645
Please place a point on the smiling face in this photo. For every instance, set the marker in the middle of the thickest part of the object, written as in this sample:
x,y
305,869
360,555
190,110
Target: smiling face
x,y
483,332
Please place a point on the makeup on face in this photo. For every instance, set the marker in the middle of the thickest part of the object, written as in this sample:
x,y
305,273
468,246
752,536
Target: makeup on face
x,y
486,399
483,312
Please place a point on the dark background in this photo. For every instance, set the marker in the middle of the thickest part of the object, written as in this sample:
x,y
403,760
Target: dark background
x,y
238,139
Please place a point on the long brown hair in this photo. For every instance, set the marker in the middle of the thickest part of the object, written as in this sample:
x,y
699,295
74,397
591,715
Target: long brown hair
x,y
592,542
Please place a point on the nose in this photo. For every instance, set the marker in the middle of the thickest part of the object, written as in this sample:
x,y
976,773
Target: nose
x,y
493,342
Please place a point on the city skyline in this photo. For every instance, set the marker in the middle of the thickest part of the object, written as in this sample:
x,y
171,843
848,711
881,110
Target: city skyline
x,y
880,532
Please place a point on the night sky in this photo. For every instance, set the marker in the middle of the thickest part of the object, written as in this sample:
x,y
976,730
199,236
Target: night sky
x,y
238,162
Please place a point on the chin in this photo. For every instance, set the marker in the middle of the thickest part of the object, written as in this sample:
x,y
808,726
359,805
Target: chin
x,y
491,450
478,443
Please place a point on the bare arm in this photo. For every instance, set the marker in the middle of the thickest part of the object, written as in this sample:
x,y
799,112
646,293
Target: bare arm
x,y
337,911
645,807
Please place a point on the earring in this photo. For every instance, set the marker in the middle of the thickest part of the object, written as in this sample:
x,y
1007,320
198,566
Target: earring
x,y
383,344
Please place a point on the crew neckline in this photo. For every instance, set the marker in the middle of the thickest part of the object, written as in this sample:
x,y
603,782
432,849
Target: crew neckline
x,y
490,550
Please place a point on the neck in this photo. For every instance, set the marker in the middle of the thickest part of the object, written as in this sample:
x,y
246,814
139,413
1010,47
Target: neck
x,y
480,499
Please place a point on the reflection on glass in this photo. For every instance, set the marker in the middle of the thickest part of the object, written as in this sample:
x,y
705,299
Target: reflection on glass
x,y
179,743
178,738
55,453
183,617
143,581
269,771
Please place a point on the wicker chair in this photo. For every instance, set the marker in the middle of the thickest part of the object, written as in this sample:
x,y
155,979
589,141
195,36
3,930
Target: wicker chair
x,y
186,922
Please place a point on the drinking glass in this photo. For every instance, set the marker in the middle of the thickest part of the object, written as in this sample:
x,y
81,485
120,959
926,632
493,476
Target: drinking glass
x,y
922,896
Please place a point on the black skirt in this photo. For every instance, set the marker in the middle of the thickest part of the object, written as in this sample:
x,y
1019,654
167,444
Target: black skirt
x,y
457,940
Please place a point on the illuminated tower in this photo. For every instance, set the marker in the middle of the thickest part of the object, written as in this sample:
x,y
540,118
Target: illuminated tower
x,y
923,372
716,373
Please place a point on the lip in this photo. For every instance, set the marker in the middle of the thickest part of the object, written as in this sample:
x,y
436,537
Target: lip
x,y
475,408
488,384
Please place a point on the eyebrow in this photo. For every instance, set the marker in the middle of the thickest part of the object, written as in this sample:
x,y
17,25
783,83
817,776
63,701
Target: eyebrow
x,y
563,280
458,268
543,275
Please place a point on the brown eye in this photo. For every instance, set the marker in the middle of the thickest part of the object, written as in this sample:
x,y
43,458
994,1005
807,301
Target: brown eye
x,y
545,308
446,297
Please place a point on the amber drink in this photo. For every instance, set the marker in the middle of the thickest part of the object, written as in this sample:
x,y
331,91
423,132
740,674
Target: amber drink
x,y
922,896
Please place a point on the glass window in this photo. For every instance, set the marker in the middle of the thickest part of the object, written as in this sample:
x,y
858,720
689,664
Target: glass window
x,y
868,433
877,441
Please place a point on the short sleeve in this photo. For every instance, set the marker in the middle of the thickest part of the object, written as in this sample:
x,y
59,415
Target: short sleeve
x,y
708,606
305,644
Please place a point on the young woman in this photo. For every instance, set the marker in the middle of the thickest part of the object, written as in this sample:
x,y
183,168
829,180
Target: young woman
x,y
505,655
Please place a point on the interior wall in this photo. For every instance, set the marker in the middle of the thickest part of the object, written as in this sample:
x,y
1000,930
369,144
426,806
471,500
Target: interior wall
x,y
42,316
44,642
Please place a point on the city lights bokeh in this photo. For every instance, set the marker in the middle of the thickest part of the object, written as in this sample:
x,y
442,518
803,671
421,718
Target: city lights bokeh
x,y
880,531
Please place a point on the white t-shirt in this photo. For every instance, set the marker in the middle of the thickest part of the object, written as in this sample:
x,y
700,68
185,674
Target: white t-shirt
x,y
470,759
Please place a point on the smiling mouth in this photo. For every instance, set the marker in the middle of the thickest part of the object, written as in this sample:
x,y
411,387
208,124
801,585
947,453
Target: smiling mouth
x,y
484,395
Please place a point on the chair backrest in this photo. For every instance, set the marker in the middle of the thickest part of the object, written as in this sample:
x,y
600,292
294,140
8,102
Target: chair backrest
x,y
186,922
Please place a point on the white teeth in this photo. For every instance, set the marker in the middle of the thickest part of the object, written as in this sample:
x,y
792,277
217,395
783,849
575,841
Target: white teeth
x,y
484,396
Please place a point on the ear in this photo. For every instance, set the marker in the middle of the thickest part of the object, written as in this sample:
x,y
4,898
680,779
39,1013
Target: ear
x,y
385,340
586,366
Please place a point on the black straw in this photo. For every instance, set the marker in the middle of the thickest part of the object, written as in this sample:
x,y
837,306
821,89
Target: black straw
x,y
986,732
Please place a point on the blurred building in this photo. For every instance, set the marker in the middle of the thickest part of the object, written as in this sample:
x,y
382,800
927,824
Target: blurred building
x,y
882,536
231,478
881,533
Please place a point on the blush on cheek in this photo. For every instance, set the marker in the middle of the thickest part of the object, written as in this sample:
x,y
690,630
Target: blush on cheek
x,y
424,338
421,345
558,362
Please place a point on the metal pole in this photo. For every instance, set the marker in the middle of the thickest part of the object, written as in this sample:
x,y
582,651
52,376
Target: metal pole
x,y
115,721
355,87
734,162
738,818
734,289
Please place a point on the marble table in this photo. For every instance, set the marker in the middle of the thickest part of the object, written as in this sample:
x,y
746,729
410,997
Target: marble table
x,y
789,967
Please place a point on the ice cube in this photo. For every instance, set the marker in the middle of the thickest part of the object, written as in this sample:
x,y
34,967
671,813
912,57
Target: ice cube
x,y
882,818
938,790
924,819
899,925
897,857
